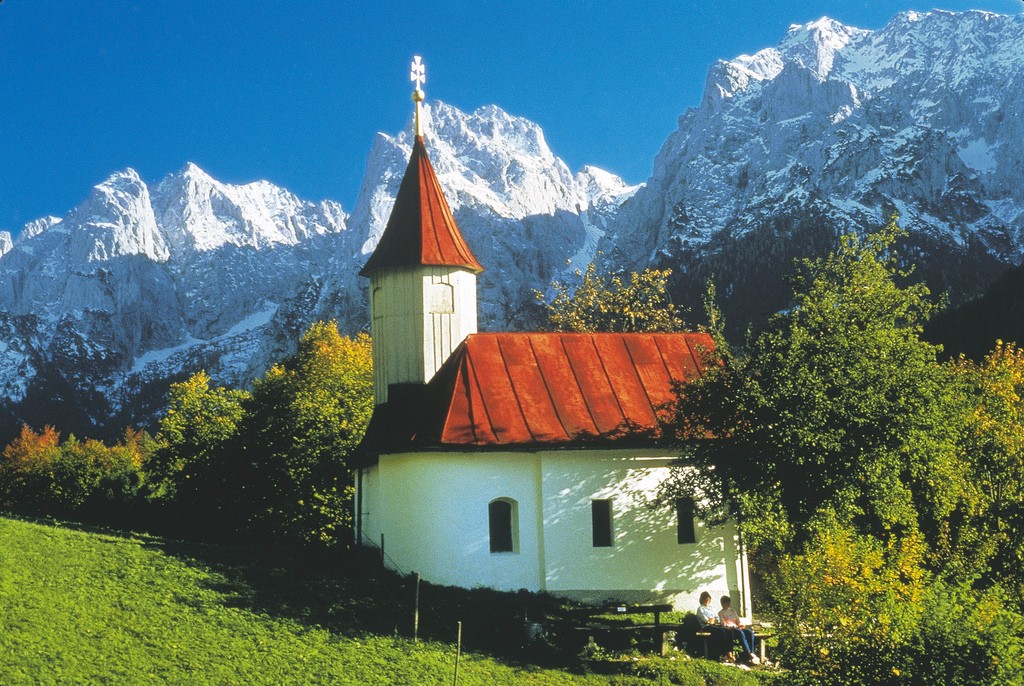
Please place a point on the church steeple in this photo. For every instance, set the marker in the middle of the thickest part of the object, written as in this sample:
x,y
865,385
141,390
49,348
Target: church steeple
x,y
422,276
421,230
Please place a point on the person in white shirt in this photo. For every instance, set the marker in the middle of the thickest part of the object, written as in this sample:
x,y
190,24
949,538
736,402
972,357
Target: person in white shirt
x,y
704,612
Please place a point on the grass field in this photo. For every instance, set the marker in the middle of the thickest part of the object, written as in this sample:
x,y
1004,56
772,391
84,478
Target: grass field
x,y
81,607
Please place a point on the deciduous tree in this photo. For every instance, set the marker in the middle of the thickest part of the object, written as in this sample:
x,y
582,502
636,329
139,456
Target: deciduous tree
x,y
838,407
305,418
86,479
610,302
192,440
994,445
853,460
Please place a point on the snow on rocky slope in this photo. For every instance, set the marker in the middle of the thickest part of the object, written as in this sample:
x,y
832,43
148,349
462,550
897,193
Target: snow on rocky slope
x,y
138,286
832,130
89,301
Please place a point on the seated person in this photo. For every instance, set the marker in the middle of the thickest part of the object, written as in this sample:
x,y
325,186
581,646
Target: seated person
x,y
720,642
730,621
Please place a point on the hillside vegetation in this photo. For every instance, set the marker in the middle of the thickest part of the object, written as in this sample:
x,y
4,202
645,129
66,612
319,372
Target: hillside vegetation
x,y
81,607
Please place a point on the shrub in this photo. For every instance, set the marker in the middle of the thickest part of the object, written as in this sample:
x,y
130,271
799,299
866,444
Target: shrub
x,y
25,470
857,610
969,637
87,479
694,673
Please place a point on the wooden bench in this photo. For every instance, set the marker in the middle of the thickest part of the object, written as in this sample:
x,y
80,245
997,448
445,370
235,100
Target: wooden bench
x,y
762,632
759,638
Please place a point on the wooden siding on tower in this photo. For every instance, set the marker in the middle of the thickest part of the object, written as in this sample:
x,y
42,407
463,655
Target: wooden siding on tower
x,y
413,331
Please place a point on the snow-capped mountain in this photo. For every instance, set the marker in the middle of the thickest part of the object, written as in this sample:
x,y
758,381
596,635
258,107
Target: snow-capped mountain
x,y
522,211
834,129
831,130
138,286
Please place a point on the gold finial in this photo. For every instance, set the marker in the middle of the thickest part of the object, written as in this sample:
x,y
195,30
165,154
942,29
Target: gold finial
x,y
418,76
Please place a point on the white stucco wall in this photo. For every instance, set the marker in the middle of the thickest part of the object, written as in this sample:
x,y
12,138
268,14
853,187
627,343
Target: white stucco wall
x,y
432,509
646,556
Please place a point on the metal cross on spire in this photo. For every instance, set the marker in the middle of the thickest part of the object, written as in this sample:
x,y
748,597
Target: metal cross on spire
x,y
418,76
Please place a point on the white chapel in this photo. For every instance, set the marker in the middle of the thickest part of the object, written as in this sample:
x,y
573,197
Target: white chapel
x,y
521,460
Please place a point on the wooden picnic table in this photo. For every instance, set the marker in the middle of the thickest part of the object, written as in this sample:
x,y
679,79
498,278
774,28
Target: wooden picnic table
x,y
658,629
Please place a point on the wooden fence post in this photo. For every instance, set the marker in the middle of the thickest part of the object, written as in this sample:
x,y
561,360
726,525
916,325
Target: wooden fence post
x,y
416,610
458,653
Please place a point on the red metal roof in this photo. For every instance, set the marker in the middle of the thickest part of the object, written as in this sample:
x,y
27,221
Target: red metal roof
x,y
421,229
544,389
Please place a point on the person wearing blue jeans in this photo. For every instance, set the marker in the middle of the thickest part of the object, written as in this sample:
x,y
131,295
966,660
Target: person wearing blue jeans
x,y
731,621
721,639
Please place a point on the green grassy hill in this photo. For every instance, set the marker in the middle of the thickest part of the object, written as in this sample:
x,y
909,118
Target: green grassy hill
x,y
79,607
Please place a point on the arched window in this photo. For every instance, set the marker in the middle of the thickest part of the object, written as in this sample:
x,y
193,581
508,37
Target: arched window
x,y
503,520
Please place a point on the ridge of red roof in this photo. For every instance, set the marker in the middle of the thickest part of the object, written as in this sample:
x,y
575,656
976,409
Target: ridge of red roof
x,y
533,390
421,229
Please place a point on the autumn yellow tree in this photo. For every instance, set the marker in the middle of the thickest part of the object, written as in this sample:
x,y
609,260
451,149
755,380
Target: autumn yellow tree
x,y
25,469
638,301
306,417
82,478
191,487
994,445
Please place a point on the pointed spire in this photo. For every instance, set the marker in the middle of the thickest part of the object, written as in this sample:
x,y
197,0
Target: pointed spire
x,y
421,230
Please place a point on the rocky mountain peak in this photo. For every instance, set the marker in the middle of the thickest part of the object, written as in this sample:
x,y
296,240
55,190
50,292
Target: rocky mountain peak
x,y
496,151
37,226
832,130
814,45
6,242
602,187
200,214
484,159
116,219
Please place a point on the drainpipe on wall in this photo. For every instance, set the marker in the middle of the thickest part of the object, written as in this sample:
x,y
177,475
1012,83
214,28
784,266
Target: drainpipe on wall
x,y
359,507
745,594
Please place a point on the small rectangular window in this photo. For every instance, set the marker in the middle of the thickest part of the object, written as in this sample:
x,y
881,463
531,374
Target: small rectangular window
x,y
685,532
601,516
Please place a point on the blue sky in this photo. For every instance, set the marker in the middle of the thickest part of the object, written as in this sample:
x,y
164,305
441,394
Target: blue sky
x,y
294,92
